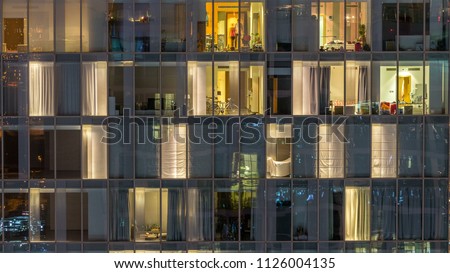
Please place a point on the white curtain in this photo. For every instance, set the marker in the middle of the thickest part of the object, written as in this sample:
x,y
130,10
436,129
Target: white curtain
x,y
357,213
94,82
384,150
173,151
42,89
94,152
331,153
305,89
176,215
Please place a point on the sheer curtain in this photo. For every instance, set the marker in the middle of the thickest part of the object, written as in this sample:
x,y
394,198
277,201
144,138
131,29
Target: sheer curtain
x,y
94,152
176,215
42,89
331,153
357,213
173,151
68,88
199,214
305,89
384,150
94,82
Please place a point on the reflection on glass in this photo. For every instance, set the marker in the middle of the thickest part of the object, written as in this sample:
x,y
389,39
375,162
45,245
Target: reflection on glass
x,y
173,25
121,211
435,209
279,25
278,150
16,215
304,198
251,88
173,88
252,210
15,26
279,93
176,210
67,25
383,210
279,210
304,151
147,150
226,211
42,213
94,152
15,89
94,26
120,87
410,210
120,23
357,149
95,211
68,212
146,25
305,25
357,95
41,26
436,146
68,88
146,80
42,152
410,144
436,75
331,221
384,150
199,211
148,211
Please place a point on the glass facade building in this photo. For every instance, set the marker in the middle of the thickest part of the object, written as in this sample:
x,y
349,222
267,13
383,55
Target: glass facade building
x,y
224,126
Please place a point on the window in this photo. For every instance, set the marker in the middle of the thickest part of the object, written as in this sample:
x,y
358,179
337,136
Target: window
x,y
121,210
357,211
331,152
279,24
42,89
15,86
357,92
199,211
95,212
226,211
173,151
15,141
120,24
200,88
279,92
173,86
147,150
331,203
42,152
146,88
146,25
279,210
304,210
173,25
305,25
68,88
278,150
436,77
120,87
68,25
148,210
93,88
251,88
15,26
384,150
94,152
41,26
94,26
383,210
42,211
68,215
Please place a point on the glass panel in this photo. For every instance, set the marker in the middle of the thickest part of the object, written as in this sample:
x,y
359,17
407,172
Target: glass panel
x,y
68,86
278,247
67,28
199,211
411,87
15,26
357,30
68,152
385,30
305,247
435,210
148,211
146,25
121,210
279,92
95,211
42,152
305,25
42,89
331,222
93,86
436,146
226,147
42,211
120,26
200,148
16,151
252,210
16,212
15,86
251,30
147,150
357,87
120,153
436,84
94,29
251,160
357,212
411,24
357,149
200,18
68,211
226,247
305,147
226,211
173,25
175,220
331,151
305,86
174,151
384,150
383,210
278,150
251,88
331,247
120,87
384,88
437,22
94,152
279,211
331,25
41,26
147,97
200,86
279,20
410,145
410,209
226,91
173,88
331,88
304,198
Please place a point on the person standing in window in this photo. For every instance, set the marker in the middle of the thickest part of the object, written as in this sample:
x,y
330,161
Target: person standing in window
x,y
233,36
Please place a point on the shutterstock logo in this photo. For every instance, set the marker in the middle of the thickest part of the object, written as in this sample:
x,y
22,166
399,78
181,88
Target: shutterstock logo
x,y
245,130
